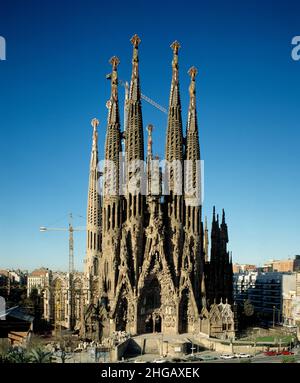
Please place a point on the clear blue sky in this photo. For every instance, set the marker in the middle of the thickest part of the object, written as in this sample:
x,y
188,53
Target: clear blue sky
x,y
53,83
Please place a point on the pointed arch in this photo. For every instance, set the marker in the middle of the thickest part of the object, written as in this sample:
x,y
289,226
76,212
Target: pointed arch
x,y
121,312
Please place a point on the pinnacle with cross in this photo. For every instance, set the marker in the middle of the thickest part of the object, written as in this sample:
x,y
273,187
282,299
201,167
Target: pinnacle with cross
x,y
114,61
94,123
193,72
175,46
135,40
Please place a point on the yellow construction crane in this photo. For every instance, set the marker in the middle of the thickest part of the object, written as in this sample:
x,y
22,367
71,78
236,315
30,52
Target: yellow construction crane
x,y
70,229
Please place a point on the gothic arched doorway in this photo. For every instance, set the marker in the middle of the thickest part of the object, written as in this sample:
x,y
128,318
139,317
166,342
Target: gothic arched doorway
x,y
157,324
149,324
150,302
183,311
122,313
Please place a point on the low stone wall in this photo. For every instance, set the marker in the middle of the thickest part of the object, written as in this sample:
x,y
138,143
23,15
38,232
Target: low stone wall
x,y
158,346
234,347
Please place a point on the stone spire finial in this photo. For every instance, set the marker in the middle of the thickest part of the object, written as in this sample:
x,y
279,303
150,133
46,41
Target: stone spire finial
x,y
93,225
193,72
192,117
223,216
95,124
135,41
113,114
114,61
175,47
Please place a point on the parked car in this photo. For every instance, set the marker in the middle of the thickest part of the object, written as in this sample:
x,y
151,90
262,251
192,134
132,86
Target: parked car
x,y
242,355
192,357
139,361
227,356
160,360
208,357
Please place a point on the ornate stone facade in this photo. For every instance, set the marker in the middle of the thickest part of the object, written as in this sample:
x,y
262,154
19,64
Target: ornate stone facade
x,y
64,298
147,253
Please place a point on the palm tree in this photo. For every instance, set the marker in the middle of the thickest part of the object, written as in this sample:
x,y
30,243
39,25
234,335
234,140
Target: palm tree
x,y
40,356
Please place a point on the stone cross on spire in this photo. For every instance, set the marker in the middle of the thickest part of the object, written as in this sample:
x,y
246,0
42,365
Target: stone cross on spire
x,y
175,47
114,61
135,41
95,124
193,72
113,115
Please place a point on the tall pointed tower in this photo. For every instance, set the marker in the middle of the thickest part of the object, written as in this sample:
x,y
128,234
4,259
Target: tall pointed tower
x,y
93,224
174,172
213,281
225,272
111,194
134,146
205,241
193,248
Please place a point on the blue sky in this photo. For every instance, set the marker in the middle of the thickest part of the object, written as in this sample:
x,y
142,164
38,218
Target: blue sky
x,y
53,83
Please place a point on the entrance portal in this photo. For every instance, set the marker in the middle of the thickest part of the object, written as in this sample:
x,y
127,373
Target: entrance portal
x,y
122,312
149,319
149,324
157,324
183,309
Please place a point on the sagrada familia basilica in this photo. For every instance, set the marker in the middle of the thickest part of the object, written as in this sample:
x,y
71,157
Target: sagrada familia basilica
x,y
148,267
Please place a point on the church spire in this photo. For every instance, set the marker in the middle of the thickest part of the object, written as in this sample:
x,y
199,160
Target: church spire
x,y
93,226
174,95
174,144
135,204
111,197
113,104
113,135
224,231
134,129
192,193
206,241
192,174
223,216
135,93
174,169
